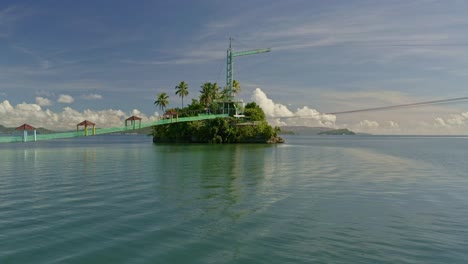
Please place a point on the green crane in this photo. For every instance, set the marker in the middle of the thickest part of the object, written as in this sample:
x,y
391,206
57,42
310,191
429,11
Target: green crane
x,y
229,67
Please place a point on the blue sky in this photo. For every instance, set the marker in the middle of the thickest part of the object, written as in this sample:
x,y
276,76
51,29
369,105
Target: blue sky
x,y
62,61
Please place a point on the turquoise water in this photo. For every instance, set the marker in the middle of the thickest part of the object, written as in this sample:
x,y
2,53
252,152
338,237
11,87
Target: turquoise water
x,y
121,199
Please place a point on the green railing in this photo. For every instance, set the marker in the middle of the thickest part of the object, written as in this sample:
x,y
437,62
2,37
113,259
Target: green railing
x,y
100,131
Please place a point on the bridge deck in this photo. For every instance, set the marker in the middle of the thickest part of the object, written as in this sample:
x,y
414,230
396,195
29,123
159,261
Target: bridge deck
x,y
99,131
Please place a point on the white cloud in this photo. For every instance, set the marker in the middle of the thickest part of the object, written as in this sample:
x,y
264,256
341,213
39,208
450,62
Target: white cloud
x,y
92,96
369,124
439,122
454,120
65,99
392,124
5,107
35,115
280,115
43,101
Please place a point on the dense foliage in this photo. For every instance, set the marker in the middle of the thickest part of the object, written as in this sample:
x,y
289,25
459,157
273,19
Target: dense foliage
x,y
252,129
253,112
218,130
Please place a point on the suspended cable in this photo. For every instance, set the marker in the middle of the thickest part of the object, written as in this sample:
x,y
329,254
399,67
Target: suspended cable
x,y
451,100
400,106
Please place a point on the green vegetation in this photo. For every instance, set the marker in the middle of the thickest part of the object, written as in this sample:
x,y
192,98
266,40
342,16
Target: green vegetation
x,y
344,131
182,91
219,130
253,128
162,101
236,88
254,112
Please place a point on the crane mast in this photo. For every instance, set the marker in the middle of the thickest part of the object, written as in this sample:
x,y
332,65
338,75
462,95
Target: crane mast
x,y
230,64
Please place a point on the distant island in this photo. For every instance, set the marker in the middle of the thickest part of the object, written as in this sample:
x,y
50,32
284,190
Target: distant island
x,y
336,132
305,130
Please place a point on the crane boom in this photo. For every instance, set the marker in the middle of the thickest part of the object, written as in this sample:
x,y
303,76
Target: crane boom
x,y
229,65
249,52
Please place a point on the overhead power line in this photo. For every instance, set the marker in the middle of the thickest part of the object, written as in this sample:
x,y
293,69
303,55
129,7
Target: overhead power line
x,y
400,106
451,100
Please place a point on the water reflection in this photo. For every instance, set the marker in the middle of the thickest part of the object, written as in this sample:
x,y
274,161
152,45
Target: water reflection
x,y
227,177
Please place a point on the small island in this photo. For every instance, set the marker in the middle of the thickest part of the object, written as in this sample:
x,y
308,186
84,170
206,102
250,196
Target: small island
x,y
305,130
242,124
337,132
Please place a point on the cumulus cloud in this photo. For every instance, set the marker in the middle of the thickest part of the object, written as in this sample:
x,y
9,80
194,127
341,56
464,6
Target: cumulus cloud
x,y
369,124
65,99
92,96
279,114
439,122
43,101
34,114
392,124
454,120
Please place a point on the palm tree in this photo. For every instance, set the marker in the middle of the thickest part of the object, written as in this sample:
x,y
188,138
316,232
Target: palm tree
x,y
162,101
182,91
224,94
236,88
215,91
208,93
205,98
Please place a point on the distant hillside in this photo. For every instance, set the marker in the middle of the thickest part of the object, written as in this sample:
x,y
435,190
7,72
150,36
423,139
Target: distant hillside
x,y
303,130
338,132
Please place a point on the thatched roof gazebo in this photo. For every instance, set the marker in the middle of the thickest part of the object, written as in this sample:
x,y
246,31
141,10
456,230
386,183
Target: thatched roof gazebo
x,y
86,123
133,120
25,128
170,114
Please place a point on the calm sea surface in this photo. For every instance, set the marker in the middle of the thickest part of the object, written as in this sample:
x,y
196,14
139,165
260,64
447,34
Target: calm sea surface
x,y
122,199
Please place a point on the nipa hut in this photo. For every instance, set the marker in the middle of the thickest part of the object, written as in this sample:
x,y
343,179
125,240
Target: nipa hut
x,y
86,123
133,120
25,128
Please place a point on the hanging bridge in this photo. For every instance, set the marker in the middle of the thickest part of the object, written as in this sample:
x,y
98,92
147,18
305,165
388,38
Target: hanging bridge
x,y
23,137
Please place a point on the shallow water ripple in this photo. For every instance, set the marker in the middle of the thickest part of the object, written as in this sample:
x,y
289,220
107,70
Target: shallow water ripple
x,y
121,199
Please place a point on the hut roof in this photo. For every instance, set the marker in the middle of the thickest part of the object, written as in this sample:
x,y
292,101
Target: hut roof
x,y
86,123
25,127
133,118
171,112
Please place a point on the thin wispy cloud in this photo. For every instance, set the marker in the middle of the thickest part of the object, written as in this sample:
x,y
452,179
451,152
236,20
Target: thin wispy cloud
x,y
92,96
387,31
175,61
7,18
43,63
199,55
